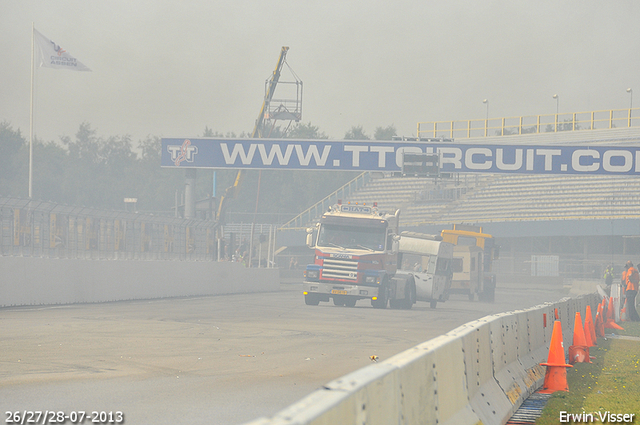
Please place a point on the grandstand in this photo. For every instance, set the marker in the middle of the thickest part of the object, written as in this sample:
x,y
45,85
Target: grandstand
x,y
500,198
421,200
578,223
494,198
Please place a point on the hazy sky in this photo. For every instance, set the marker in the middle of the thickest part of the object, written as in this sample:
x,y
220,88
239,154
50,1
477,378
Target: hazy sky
x,y
169,68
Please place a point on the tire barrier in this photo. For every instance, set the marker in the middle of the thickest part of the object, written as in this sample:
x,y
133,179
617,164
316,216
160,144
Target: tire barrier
x,y
479,373
36,281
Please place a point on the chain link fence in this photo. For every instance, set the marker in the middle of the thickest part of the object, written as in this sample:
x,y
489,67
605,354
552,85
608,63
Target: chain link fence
x,y
254,244
49,230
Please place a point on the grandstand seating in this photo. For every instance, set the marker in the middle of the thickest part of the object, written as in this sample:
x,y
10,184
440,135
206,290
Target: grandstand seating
x,y
496,198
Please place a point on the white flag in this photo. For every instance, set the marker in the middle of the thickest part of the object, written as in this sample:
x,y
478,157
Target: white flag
x,y
52,55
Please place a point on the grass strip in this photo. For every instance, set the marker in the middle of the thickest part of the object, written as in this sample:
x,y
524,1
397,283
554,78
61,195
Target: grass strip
x,y
610,384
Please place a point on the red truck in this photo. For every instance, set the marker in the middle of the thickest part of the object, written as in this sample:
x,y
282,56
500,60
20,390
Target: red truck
x,y
356,254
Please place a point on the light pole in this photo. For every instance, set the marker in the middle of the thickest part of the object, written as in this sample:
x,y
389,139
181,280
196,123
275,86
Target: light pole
x,y
486,120
630,91
557,98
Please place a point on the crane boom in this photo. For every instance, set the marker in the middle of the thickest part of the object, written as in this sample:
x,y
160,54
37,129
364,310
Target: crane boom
x,y
258,128
271,88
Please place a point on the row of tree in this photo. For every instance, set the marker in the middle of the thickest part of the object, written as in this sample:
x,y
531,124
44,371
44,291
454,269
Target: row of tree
x,y
99,172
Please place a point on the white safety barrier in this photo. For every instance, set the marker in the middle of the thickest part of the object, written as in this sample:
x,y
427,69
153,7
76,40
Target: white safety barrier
x,y
34,281
479,373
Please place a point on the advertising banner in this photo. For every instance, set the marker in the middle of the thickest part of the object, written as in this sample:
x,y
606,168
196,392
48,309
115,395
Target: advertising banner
x,y
387,156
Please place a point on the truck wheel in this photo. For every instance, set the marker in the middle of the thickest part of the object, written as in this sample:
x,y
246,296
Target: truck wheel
x,y
410,297
383,297
350,302
311,299
433,303
489,294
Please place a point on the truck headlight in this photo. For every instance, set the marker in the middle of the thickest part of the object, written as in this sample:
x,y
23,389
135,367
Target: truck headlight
x,y
370,279
313,274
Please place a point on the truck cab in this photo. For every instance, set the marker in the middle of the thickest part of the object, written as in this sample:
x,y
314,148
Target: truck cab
x,y
356,250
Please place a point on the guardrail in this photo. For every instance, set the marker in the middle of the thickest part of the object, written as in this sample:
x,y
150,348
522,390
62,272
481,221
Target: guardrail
x,y
529,124
480,372
321,206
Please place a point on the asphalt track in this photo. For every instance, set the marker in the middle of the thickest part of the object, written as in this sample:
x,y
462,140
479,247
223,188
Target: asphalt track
x,y
210,360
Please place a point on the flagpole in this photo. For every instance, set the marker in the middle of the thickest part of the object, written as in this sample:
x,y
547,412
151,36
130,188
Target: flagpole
x,y
31,117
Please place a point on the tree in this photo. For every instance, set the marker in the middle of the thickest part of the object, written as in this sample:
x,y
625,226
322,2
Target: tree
x,y
306,131
386,133
210,133
155,187
566,125
276,132
98,172
356,133
13,162
50,163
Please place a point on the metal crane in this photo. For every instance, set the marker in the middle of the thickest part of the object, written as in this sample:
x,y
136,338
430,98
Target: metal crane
x,y
270,89
259,128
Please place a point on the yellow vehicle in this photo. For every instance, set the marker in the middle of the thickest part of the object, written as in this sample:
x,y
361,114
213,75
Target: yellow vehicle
x,y
472,236
468,275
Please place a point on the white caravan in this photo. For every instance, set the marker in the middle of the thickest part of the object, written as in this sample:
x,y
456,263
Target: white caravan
x,y
428,259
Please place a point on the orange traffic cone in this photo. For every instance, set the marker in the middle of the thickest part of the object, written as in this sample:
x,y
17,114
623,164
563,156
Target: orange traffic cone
x,y
557,316
589,327
555,379
623,312
579,350
610,323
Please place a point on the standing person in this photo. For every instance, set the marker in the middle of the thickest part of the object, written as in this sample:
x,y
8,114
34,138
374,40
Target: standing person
x,y
623,278
608,278
608,275
632,278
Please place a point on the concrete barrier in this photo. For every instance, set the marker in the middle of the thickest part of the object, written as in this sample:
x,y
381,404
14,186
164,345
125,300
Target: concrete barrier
x,y
33,281
508,372
585,286
478,365
479,373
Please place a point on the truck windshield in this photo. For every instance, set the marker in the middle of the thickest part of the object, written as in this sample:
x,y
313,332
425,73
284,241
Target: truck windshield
x,y
418,263
352,237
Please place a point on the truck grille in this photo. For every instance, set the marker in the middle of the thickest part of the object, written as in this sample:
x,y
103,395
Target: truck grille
x,y
340,269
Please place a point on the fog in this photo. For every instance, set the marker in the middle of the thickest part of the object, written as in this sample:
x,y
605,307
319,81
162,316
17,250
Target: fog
x,y
170,68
